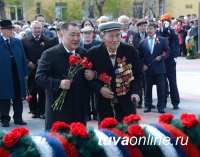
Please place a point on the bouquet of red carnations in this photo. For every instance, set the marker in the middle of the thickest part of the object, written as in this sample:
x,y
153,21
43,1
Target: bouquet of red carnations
x,y
76,64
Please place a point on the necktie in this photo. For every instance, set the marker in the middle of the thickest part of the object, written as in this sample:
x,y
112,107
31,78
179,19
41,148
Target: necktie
x,y
151,44
112,56
8,42
37,38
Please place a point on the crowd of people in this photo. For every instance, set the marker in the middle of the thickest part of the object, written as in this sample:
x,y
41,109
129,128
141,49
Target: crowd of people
x,y
134,54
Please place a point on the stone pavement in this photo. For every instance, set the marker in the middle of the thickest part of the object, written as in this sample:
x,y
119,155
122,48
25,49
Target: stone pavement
x,y
188,79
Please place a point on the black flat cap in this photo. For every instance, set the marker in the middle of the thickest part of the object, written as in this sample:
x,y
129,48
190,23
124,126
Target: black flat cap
x,y
108,26
141,21
6,24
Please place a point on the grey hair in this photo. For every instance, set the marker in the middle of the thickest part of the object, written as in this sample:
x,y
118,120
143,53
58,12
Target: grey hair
x,y
123,17
35,22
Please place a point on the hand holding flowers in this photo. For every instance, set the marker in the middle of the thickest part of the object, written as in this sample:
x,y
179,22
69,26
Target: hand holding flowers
x,y
76,64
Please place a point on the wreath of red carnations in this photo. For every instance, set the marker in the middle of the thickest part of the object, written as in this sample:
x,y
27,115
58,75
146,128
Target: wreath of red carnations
x,y
166,118
108,122
189,120
131,118
12,137
79,130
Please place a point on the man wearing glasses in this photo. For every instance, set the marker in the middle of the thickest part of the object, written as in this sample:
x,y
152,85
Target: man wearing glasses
x,y
120,62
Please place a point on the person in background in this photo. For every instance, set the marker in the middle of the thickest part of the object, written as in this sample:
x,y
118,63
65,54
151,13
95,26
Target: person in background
x,y
194,34
170,63
127,35
152,57
45,30
87,43
34,45
56,40
13,72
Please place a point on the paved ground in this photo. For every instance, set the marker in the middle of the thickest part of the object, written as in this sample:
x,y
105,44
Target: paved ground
x,y
188,76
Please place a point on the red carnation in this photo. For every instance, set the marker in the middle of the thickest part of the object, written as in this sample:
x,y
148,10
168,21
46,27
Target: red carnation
x,y
4,152
73,60
28,98
125,36
23,131
165,118
108,122
90,65
57,126
11,138
135,130
189,120
131,118
85,63
79,130
105,78
164,54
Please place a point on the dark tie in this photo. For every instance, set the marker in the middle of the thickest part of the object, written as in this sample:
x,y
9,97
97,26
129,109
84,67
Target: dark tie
x,y
112,56
37,38
8,42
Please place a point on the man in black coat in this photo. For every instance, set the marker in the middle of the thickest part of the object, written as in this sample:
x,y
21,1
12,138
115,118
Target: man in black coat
x,y
120,62
52,69
34,45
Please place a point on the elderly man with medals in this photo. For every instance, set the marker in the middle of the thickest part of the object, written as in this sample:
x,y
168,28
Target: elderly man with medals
x,y
119,62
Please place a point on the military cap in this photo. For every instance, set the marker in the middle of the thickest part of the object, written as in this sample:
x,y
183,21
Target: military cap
x,y
87,29
108,26
141,21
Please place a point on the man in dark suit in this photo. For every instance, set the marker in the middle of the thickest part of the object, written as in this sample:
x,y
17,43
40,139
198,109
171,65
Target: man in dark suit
x,y
152,56
52,69
34,45
120,62
13,72
170,63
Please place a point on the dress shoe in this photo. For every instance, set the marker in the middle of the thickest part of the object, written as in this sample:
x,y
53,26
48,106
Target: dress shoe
x,y
147,110
21,122
139,106
176,107
161,111
153,106
5,125
42,116
35,116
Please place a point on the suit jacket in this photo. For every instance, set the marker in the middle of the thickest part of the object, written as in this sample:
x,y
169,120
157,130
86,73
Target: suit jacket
x,y
33,51
52,68
6,78
102,64
54,41
147,58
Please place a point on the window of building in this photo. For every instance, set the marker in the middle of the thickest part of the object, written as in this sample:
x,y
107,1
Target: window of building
x,y
60,8
38,8
16,12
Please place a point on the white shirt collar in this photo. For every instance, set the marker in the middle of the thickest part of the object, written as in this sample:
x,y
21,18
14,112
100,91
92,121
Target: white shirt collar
x,y
4,37
112,53
68,51
153,37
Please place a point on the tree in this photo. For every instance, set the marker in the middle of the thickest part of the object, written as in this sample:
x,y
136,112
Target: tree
x,y
99,5
2,9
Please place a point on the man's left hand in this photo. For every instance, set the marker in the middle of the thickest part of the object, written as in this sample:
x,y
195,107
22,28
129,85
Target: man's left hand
x,y
135,98
158,58
89,75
